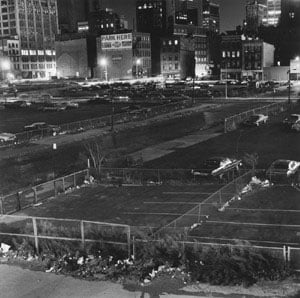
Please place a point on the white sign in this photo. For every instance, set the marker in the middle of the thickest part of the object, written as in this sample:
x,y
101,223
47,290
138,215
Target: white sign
x,y
295,66
116,41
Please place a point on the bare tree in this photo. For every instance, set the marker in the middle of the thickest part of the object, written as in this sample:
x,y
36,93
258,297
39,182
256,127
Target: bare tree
x,y
251,159
95,151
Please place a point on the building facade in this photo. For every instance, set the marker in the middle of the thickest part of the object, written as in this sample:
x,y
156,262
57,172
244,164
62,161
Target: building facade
x,y
211,17
178,57
124,56
72,56
29,28
231,61
273,12
288,47
256,55
106,21
70,13
255,16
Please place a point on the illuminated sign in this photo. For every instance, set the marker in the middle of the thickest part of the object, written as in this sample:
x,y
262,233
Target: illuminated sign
x,y
116,41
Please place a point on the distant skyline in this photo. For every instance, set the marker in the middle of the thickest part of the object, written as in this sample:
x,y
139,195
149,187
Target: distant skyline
x,y
232,11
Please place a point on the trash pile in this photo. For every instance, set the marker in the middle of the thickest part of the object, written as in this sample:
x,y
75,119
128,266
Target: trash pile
x,y
253,185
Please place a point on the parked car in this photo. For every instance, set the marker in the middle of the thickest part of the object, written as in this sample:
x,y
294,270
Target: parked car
x,y
282,168
217,166
36,126
7,137
296,126
256,120
292,119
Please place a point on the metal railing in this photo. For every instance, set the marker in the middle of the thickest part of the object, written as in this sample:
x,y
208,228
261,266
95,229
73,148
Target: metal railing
x,y
199,213
142,176
24,198
83,232
101,122
232,123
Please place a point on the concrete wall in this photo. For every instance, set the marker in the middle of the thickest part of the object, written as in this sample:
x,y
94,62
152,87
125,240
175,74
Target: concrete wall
x,y
268,55
276,73
72,58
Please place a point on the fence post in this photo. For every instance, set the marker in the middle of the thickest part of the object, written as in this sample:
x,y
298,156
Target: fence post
x,y
289,254
35,233
1,205
220,197
158,176
63,184
35,195
18,200
82,233
199,213
54,186
133,247
74,180
128,242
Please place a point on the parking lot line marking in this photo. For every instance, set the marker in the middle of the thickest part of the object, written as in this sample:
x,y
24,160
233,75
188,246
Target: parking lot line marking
x,y
263,210
186,193
158,214
252,224
165,203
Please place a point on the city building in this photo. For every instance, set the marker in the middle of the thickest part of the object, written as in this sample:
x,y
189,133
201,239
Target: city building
x,y
28,28
273,12
255,16
106,21
165,18
70,13
231,52
211,16
256,55
178,57
151,17
72,56
288,46
124,56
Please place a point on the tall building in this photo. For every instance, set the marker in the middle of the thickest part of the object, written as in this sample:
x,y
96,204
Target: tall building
x,y
105,21
288,46
273,12
211,16
70,13
29,28
255,16
178,57
151,17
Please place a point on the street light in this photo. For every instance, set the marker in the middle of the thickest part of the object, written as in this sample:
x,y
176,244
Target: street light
x,y
103,63
5,66
137,64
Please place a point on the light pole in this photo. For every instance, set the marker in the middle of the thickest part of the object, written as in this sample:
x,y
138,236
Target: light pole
x,y
103,63
5,66
137,64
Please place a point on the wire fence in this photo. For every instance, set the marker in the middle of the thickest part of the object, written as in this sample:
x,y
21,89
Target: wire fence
x,y
139,176
101,122
233,122
40,229
21,199
200,212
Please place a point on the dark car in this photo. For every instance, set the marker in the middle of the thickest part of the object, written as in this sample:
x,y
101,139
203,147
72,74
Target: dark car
x,y
291,120
217,166
256,120
282,170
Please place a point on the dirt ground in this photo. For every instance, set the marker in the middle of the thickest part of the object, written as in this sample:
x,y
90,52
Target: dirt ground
x,y
16,282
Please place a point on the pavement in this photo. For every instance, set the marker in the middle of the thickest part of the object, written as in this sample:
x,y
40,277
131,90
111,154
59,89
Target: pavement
x,y
162,149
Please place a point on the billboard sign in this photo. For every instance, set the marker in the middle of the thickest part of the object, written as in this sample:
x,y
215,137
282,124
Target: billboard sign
x,y
295,66
116,41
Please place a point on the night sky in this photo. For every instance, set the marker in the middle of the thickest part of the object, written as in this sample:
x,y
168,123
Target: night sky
x,y
232,11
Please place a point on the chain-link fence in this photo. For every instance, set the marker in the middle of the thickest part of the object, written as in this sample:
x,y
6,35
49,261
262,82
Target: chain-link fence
x,y
204,208
233,122
40,230
27,197
101,122
138,176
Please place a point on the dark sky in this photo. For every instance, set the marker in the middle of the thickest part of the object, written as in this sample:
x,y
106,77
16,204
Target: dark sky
x,y
232,11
